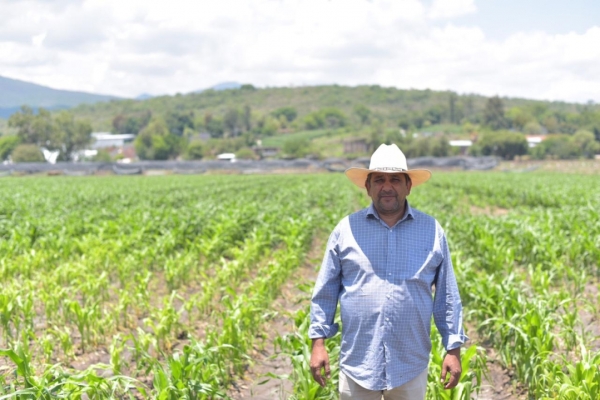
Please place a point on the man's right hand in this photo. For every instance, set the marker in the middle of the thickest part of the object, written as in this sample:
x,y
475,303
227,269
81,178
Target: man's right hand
x,y
319,361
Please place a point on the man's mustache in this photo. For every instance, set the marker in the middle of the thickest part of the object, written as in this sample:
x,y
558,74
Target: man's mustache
x,y
382,194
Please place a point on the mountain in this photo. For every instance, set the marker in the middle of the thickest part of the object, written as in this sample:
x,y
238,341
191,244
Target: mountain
x,y
14,93
221,86
393,107
144,96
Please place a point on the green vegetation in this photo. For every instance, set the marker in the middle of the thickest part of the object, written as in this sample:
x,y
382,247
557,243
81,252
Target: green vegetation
x,y
373,114
27,153
280,140
174,280
60,132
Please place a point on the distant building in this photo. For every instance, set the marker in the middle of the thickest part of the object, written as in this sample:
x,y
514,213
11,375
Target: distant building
x,y
102,140
118,145
463,145
534,140
226,157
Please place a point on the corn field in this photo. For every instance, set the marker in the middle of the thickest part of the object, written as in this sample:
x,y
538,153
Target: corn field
x,y
163,287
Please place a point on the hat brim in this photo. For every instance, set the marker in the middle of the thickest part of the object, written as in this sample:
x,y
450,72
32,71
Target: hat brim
x,y
358,176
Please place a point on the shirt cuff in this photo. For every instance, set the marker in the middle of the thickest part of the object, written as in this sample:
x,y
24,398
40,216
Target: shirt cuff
x,y
455,341
322,331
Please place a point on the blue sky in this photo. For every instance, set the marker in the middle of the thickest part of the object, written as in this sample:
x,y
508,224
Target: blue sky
x,y
501,18
535,49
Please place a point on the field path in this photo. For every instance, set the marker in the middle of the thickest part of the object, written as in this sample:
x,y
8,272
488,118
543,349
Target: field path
x,y
266,360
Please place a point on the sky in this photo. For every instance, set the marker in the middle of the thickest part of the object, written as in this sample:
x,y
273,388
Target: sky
x,y
547,50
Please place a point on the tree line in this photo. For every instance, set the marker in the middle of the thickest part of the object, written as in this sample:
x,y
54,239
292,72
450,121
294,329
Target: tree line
x,y
203,125
60,132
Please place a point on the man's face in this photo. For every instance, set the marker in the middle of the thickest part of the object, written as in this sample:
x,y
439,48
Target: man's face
x,y
388,192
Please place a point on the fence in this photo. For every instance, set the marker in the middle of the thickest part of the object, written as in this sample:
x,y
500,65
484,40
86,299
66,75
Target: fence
x,y
239,166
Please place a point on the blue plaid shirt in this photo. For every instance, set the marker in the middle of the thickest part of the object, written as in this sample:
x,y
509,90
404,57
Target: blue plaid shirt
x,y
383,279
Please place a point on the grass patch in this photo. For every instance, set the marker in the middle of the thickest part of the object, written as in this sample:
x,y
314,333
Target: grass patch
x,y
278,141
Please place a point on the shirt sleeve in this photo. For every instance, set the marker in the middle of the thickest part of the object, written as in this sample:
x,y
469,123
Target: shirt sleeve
x,y
447,306
326,293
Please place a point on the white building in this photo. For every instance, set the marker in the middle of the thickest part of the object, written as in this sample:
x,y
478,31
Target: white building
x,y
533,141
103,140
226,157
463,145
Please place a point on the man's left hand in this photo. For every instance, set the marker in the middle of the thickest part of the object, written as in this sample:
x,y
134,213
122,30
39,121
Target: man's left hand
x,y
452,365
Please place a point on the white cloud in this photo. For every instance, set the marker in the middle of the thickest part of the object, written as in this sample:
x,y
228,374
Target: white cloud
x,y
446,9
38,40
128,47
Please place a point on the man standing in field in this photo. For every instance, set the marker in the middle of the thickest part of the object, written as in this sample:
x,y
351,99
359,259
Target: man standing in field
x,y
381,264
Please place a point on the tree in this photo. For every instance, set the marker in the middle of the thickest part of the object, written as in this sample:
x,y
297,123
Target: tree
x,y
505,144
247,119
557,146
8,145
533,128
296,147
267,126
587,143
440,146
325,118
334,118
213,125
434,115
493,114
452,107
177,122
33,128
70,135
363,113
62,132
518,118
194,151
155,142
376,135
132,123
231,120
27,153
245,153
433,146
289,113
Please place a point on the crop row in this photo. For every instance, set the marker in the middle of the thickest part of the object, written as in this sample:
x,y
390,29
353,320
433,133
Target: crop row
x,y
526,249
162,287
173,277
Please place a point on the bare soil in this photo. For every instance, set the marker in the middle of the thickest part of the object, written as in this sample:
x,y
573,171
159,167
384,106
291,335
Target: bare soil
x,y
499,383
258,384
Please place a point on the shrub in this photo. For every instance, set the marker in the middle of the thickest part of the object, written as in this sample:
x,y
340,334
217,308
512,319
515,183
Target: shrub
x,y
27,153
505,144
194,151
7,145
245,153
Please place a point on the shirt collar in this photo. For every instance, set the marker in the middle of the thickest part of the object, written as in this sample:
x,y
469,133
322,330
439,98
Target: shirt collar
x,y
408,212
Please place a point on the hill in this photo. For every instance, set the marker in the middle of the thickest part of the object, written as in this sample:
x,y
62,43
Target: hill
x,y
15,93
394,107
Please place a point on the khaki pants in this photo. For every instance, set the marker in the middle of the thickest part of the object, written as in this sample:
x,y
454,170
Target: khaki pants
x,y
413,390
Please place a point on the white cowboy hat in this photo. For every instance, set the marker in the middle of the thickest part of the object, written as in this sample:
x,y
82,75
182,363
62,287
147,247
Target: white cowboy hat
x,y
388,159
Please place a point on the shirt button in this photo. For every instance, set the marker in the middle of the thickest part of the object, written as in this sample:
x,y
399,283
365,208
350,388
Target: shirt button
x,y
388,296
387,319
389,273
